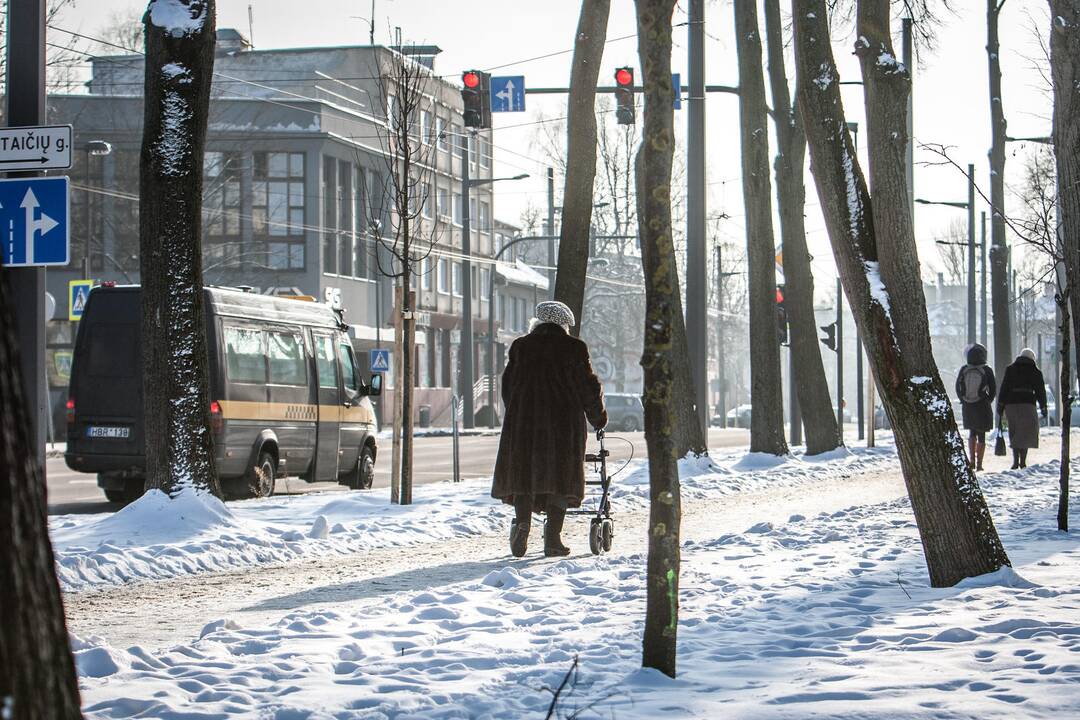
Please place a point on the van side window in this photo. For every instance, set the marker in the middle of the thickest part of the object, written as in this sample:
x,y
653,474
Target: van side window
x,y
348,367
324,357
244,355
286,354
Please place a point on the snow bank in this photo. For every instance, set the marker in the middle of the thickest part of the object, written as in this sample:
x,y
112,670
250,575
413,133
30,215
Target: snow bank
x,y
152,539
829,616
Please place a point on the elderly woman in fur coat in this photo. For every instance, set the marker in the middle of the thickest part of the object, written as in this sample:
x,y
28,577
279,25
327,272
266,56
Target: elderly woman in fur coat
x,y
549,389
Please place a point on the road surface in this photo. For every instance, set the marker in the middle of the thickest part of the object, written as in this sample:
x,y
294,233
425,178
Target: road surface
x,y
74,492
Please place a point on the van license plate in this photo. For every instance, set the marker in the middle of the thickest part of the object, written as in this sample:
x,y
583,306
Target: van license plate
x,y
97,431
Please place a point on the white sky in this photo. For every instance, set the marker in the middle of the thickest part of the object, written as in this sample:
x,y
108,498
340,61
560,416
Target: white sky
x,y
951,85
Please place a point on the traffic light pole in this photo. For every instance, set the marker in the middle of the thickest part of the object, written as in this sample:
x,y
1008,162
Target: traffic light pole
x,y
696,318
550,232
840,356
26,106
465,349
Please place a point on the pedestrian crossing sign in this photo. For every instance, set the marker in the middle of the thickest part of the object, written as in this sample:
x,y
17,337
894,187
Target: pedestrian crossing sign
x,y
380,360
78,294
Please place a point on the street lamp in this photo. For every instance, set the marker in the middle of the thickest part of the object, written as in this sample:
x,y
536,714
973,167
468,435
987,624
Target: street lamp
x,y
970,207
97,148
466,282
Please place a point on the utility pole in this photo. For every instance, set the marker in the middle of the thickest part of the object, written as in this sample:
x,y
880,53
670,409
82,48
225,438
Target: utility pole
x,y
840,356
696,323
1000,259
721,359
26,106
971,256
859,408
982,280
465,349
550,232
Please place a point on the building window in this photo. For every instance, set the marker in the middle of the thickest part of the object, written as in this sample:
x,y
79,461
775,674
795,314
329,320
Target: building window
x,y
444,279
345,202
485,153
442,204
474,159
457,209
329,195
360,217
442,134
425,273
484,224
277,207
456,287
425,127
485,282
429,199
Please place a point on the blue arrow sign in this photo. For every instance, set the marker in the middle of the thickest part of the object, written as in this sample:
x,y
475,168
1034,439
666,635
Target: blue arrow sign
x,y
34,222
508,93
380,360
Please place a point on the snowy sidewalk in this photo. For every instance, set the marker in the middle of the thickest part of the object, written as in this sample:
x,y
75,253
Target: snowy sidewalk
x,y
783,615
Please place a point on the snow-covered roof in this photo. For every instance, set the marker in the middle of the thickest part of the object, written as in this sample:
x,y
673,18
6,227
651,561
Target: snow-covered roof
x,y
522,274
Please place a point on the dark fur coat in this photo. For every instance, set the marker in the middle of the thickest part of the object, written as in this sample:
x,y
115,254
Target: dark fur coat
x,y
549,389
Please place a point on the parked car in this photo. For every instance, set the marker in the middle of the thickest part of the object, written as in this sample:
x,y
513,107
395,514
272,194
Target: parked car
x,y
739,416
286,395
625,411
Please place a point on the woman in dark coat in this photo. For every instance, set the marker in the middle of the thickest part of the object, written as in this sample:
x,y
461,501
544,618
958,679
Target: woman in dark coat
x,y
549,389
1021,388
976,387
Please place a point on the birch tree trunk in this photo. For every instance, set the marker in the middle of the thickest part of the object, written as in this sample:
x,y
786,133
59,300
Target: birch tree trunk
x,y
37,672
811,385
577,201
999,252
653,170
874,245
180,36
766,384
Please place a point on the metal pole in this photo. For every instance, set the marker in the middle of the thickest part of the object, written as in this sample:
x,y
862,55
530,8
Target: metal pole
x,y
86,215
982,291
696,328
550,232
491,343
910,65
840,356
859,383
454,405
720,354
871,393
465,349
26,106
971,256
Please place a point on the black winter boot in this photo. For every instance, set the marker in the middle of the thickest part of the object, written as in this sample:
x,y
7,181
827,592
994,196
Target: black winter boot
x,y
520,526
553,546
1016,460
1023,458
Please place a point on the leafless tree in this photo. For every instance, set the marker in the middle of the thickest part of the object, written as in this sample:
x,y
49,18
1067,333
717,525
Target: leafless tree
x,y
874,244
952,253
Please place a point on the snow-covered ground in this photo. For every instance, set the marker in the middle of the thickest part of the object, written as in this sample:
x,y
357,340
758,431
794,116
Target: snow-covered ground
x,y
154,539
824,615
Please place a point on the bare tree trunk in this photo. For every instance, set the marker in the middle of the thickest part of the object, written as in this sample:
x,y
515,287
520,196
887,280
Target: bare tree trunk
x,y
766,393
653,170
999,251
577,196
1065,70
37,672
811,385
176,404
1065,405
874,245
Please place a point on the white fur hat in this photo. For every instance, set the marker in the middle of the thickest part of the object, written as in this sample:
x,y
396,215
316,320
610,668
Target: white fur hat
x,y
553,311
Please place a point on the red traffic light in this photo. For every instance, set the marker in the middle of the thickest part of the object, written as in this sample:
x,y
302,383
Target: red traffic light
x,y
779,296
624,77
470,79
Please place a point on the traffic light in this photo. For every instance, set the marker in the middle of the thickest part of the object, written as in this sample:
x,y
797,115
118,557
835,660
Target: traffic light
x,y
624,95
781,316
829,340
476,95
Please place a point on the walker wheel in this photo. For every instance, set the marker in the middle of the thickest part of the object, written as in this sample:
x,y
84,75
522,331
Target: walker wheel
x,y
607,532
596,541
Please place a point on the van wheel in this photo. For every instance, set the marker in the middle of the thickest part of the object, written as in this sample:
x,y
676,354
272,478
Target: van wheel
x,y
260,481
631,424
363,475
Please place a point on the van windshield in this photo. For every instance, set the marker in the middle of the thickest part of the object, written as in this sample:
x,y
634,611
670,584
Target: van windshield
x,y
112,350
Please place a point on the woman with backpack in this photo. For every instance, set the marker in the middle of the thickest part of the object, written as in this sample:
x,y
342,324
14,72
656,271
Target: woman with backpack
x,y
1021,388
976,386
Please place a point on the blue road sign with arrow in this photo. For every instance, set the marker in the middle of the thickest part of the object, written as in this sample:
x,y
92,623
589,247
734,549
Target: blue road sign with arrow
x,y
508,93
34,226
380,360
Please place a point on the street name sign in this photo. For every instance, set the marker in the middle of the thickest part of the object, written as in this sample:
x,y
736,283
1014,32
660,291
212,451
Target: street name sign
x,y
45,147
34,226
508,93
380,360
